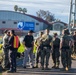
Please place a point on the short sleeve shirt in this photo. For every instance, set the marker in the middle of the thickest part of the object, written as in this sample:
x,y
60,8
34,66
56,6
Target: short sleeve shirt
x,y
28,39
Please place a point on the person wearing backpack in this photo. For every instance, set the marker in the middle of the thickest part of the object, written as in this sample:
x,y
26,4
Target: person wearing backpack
x,y
56,53
65,46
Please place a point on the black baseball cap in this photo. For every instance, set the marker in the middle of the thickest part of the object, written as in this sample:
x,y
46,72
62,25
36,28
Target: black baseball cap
x,y
31,31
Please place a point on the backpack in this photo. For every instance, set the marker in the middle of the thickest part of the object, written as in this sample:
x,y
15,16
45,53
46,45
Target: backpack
x,y
66,41
56,42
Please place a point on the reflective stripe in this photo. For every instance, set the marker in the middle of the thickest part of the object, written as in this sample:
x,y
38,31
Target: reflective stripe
x,y
16,42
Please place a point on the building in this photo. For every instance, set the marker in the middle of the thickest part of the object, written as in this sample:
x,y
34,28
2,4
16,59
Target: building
x,y
10,19
58,26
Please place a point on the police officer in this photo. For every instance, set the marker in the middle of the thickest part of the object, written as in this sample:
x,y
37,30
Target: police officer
x,y
14,44
56,53
65,45
46,47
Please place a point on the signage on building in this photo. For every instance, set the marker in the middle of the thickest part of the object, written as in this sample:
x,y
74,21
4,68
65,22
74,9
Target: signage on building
x,y
26,25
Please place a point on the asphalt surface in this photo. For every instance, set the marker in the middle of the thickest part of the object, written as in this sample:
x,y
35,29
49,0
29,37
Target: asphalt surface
x,y
38,71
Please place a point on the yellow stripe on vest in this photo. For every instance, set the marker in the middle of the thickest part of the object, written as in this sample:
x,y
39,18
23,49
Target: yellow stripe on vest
x,y
14,42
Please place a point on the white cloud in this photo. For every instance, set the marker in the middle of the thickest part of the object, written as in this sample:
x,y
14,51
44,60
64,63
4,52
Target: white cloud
x,y
58,7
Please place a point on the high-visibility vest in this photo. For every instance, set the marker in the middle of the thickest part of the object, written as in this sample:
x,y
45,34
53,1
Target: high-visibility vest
x,y
16,42
21,49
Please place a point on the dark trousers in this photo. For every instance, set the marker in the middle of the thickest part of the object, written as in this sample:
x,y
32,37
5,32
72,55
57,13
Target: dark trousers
x,y
75,48
45,53
13,56
55,57
38,55
66,58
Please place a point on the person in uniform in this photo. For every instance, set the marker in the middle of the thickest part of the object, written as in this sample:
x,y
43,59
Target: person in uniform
x,y
65,46
45,48
74,37
5,49
38,47
56,52
14,44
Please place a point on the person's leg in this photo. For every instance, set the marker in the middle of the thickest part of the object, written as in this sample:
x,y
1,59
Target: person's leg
x,y
6,61
11,60
31,56
42,58
14,59
57,62
37,59
47,57
69,59
63,58
26,53
53,58
57,54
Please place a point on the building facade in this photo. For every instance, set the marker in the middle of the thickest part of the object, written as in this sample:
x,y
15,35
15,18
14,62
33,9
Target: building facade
x,y
10,19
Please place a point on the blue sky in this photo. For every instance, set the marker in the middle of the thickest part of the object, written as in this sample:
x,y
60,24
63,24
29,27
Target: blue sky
x,y
60,8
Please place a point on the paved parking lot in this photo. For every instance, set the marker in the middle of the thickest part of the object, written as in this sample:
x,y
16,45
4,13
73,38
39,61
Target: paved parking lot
x,y
38,71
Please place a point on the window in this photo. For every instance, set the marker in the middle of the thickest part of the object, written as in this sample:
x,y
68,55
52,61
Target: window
x,y
37,23
57,27
15,22
3,22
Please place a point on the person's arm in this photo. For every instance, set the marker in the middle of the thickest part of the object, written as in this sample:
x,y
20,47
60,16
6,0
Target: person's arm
x,y
32,41
24,41
71,43
61,43
35,43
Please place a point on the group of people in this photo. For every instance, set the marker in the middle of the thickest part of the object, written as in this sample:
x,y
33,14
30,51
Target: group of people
x,y
45,45
42,47
11,44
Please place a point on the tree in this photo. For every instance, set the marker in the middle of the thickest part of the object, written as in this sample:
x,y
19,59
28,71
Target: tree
x,y
46,15
19,9
16,8
24,10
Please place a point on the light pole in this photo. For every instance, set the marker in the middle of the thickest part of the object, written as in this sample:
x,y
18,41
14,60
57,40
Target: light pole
x,y
70,15
74,14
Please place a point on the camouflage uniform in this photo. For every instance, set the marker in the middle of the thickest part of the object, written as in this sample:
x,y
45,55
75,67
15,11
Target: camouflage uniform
x,y
66,52
74,37
38,51
6,50
45,51
56,53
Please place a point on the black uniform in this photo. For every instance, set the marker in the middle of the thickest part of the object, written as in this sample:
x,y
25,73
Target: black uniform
x,y
12,54
56,53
